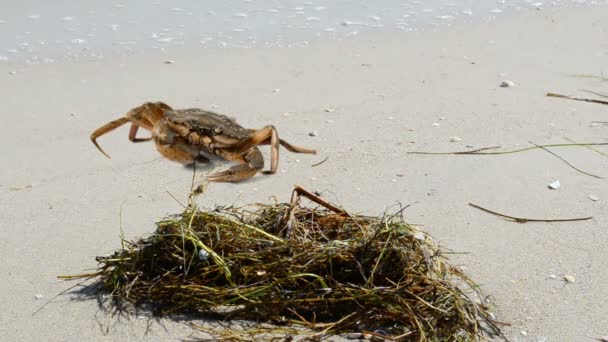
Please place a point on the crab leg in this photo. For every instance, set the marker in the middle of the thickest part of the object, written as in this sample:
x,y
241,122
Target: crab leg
x,y
263,136
133,134
105,129
288,146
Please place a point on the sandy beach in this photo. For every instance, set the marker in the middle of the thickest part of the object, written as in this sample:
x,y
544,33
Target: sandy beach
x,y
372,99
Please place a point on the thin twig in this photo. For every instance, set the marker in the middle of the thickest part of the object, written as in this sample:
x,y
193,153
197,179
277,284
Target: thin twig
x,y
88,276
567,162
595,93
588,147
301,191
524,220
600,77
176,200
321,162
577,98
476,152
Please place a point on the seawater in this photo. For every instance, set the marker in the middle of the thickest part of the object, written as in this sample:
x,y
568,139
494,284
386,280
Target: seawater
x,y
38,31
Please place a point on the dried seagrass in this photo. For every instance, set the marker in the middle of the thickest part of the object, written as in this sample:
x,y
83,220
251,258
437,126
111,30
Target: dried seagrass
x,y
321,267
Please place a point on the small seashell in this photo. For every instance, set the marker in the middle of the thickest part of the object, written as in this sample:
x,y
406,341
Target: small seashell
x,y
329,110
555,185
203,255
507,84
569,278
435,124
313,134
419,236
593,198
523,333
455,139
169,62
38,296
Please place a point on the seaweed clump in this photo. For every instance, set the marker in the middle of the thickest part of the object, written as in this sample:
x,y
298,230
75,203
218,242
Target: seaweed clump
x,y
321,267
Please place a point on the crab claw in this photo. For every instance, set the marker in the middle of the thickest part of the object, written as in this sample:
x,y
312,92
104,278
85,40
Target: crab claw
x,y
236,173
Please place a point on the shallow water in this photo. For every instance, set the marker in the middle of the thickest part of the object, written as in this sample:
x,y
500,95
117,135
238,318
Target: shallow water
x,y
35,31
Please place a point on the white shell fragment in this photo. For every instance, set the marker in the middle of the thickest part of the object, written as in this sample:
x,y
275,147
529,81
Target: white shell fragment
x,y
569,278
203,255
313,134
593,198
419,236
38,296
507,84
555,185
455,139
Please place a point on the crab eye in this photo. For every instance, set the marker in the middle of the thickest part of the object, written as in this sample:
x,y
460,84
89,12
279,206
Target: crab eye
x,y
218,130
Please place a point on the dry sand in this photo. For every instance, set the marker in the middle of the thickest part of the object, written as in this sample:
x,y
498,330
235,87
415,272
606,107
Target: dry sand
x,y
61,199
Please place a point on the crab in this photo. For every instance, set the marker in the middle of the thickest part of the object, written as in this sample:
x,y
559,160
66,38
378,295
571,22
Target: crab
x,y
186,135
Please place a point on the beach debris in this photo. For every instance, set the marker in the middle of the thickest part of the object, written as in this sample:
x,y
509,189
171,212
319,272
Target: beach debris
x,y
321,268
565,161
203,255
435,124
38,296
525,220
276,90
577,98
569,278
523,333
554,185
594,198
507,84
169,62
329,110
200,131
18,188
455,139
552,276
321,162
484,150
313,133
12,72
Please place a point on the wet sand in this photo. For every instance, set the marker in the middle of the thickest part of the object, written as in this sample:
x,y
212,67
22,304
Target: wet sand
x,y
63,203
